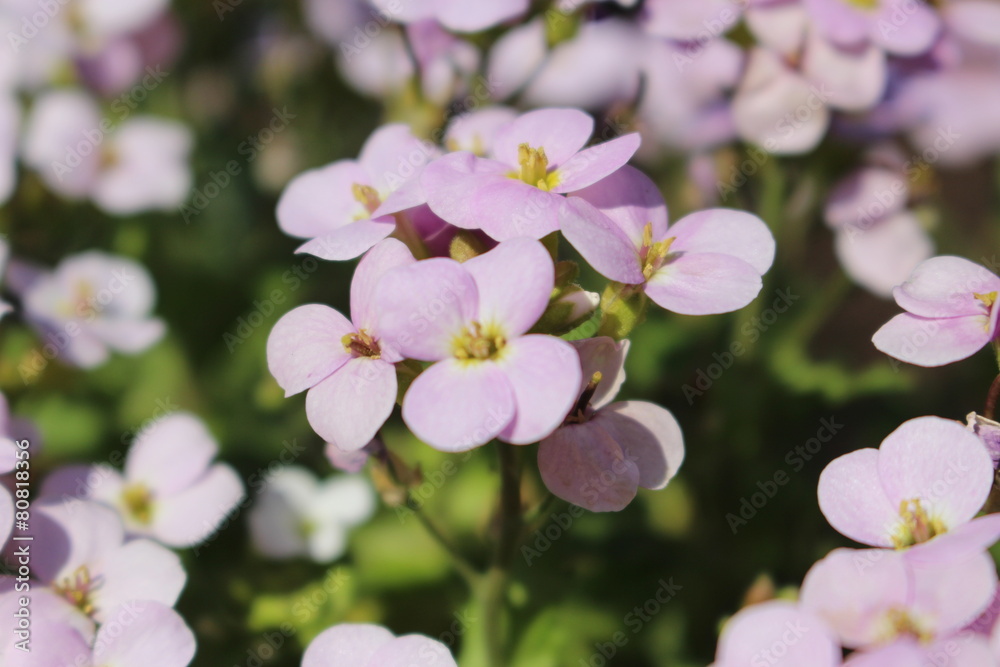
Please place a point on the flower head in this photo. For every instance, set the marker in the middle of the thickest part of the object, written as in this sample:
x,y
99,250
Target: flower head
x,y
780,631
363,645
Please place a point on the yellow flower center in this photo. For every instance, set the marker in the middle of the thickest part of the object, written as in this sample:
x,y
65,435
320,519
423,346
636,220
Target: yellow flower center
x,y
901,624
368,197
653,255
917,527
78,589
478,342
864,4
138,502
534,168
361,344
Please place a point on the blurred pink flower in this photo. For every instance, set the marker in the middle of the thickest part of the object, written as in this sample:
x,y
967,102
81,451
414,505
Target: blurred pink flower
x,y
777,632
707,262
490,379
361,645
347,366
604,451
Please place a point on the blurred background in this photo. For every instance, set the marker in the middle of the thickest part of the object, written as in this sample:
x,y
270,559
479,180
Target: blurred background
x,y
808,386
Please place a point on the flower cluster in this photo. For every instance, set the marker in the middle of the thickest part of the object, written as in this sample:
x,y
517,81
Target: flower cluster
x,y
459,316
925,594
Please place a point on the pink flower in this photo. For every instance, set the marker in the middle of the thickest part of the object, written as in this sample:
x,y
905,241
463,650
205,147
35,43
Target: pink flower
x,y
490,379
347,207
961,651
604,451
872,597
988,432
298,515
91,304
138,165
10,121
456,15
921,487
690,21
82,554
346,365
362,645
900,27
517,190
708,262
136,633
950,314
777,632
475,131
170,491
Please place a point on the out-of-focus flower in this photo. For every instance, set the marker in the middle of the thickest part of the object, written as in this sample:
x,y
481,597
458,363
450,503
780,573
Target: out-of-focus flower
x,y
139,165
347,366
348,206
988,432
363,645
604,451
872,597
878,242
456,15
690,21
777,630
921,488
170,491
296,515
90,304
10,120
82,554
900,27
950,313
352,461
707,262
961,651
534,161
490,379
475,131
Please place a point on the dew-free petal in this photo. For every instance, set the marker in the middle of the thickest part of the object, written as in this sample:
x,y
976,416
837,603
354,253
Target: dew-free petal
x,y
582,464
852,499
351,405
347,644
648,435
306,345
349,241
704,284
514,282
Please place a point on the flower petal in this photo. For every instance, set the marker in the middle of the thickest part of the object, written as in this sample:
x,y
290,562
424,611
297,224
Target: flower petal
x,y
605,356
958,544
189,517
144,633
940,462
6,516
726,232
604,245
514,282
946,286
912,35
756,629
388,254
852,499
349,407
171,454
544,373
306,345
349,241
508,208
561,132
410,650
866,196
583,465
851,79
319,201
597,162
932,342
952,594
704,284
883,255
452,181
423,306
392,156
630,199
456,405
139,570
346,644
648,435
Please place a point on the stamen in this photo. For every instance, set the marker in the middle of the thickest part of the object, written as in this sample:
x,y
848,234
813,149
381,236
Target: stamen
x,y
918,527
367,196
475,343
361,344
138,501
579,413
534,168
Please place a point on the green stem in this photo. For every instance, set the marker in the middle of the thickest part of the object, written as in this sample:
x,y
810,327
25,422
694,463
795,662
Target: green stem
x,y
462,565
494,588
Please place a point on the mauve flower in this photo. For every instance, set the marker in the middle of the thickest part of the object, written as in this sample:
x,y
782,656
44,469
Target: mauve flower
x,y
878,242
604,451
139,165
456,15
490,379
900,27
346,365
363,645
872,597
82,554
10,120
707,262
922,486
297,515
988,432
776,632
91,304
6,515
960,651
690,21
352,461
170,491
138,633
475,131
534,161
348,206
950,314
